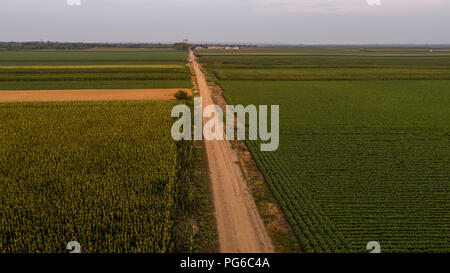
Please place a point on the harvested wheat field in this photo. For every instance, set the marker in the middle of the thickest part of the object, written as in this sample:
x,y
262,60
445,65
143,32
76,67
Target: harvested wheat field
x,y
89,95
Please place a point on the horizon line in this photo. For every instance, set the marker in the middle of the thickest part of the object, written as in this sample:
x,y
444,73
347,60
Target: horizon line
x,y
241,43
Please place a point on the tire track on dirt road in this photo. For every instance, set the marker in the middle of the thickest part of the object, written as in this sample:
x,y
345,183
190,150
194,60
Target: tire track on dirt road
x,y
240,227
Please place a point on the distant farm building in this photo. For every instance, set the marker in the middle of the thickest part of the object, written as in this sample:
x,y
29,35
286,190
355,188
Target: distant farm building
x,y
216,47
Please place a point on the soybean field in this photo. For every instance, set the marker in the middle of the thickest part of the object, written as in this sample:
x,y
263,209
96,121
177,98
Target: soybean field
x,y
364,145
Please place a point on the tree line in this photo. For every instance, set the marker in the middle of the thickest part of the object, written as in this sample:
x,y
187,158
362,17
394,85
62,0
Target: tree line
x,y
49,45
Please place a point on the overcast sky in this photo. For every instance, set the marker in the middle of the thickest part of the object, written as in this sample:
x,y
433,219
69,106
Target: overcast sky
x,y
259,21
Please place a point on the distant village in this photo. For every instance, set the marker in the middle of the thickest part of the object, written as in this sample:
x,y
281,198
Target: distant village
x,y
212,47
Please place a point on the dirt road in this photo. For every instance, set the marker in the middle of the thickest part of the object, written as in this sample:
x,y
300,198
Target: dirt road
x,y
240,227
88,95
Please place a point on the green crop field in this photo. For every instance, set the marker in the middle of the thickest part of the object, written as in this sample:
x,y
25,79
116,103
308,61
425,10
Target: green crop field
x,y
329,74
363,156
336,67
92,57
92,70
105,174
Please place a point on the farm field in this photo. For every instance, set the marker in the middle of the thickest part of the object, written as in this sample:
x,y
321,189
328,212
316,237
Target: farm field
x,y
332,50
330,74
273,67
92,57
362,157
54,70
106,174
89,95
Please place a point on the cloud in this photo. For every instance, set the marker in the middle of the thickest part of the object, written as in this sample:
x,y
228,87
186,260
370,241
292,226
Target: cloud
x,y
334,6
295,6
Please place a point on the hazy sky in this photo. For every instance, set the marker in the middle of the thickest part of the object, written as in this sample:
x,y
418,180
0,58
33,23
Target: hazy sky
x,y
260,21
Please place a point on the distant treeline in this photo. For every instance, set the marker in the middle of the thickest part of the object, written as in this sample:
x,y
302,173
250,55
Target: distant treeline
x,y
77,46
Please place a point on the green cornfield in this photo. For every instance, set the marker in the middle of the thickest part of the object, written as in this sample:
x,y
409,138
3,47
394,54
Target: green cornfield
x,y
105,174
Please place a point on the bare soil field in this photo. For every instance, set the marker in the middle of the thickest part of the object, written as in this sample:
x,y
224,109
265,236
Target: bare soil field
x,y
89,95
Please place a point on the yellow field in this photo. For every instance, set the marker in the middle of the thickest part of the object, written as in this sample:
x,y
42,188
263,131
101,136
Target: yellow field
x,y
90,95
